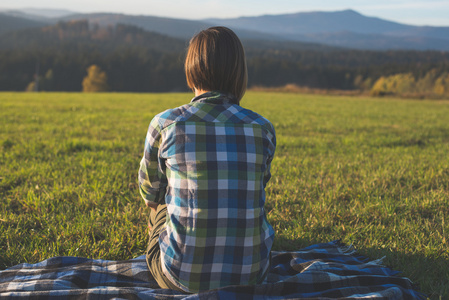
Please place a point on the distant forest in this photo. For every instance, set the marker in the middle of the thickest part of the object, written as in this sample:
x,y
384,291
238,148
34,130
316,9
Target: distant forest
x,y
136,60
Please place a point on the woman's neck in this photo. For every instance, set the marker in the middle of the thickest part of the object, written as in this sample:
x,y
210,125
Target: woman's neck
x,y
199,92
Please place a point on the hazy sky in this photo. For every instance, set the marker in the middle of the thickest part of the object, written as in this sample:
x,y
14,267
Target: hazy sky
x,y
414,12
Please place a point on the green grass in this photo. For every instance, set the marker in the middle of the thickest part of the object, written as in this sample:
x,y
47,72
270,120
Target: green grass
x,y
372,172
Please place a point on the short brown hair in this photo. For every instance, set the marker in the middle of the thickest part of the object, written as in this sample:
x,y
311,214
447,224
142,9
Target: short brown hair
x,y
216,62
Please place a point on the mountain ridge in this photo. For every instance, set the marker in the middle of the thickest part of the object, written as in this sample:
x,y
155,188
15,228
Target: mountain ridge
x,y
346,28
359,31
336,21
10,22
312,22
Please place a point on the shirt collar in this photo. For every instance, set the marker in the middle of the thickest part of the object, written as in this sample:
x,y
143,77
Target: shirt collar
x,y
215,98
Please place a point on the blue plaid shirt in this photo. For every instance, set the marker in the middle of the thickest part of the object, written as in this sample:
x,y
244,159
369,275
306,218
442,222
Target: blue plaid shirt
x,y
209,161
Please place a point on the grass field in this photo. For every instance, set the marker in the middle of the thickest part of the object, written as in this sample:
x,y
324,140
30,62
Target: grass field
x,y
372,172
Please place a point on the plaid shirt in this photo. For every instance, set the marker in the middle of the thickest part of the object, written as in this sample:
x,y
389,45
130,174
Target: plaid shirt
x,y
209,161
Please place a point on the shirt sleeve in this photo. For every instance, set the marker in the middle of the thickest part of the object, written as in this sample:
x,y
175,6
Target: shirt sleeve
x,y
271,135
152,178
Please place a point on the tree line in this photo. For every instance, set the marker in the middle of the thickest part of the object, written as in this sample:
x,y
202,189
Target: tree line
x,y
57,58
433,83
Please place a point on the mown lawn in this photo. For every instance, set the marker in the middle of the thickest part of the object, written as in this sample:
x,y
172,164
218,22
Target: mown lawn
x,y
371,172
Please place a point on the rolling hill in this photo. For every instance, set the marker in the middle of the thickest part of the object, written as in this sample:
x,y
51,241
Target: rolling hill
x,y
178,28
10,23
347,28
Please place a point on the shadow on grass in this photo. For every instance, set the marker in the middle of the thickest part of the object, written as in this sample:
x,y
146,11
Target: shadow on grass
x,y
284,244
429,274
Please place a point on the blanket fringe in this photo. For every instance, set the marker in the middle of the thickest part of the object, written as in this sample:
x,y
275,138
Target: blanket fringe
x,y
348,250
378,262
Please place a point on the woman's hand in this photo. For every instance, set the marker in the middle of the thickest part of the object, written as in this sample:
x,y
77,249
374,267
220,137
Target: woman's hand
x,y
153,206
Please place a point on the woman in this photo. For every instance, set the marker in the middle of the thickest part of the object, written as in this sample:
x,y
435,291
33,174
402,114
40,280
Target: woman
x,y
204,172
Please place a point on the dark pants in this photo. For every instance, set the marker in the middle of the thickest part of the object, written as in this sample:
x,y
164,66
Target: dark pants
x,y
153,255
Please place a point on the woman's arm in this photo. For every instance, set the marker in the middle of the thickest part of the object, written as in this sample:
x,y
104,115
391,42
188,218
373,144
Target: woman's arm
x,y
152,180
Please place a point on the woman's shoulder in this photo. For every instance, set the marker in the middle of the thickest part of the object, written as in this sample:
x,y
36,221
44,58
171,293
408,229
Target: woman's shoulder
x,y
256,118
172,115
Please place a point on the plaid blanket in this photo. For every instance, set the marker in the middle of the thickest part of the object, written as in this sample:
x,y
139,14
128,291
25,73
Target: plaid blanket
x,y
321,271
